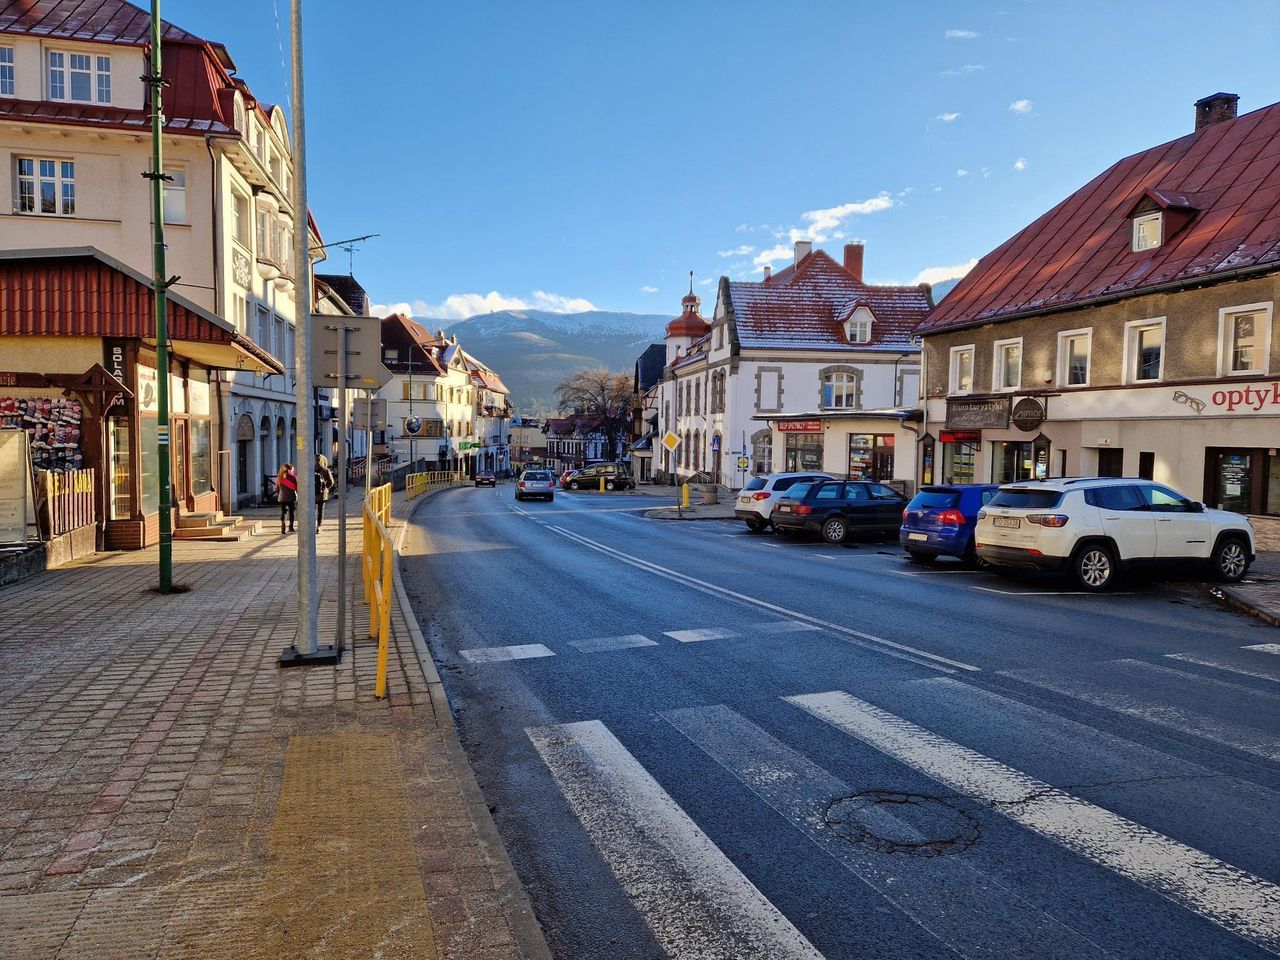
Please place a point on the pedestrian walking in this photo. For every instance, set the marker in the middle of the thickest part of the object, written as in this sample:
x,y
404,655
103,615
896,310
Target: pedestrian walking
x,y
287,495
324,486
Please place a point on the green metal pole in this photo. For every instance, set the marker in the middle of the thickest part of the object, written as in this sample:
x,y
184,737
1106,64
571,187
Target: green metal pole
x,y
157,178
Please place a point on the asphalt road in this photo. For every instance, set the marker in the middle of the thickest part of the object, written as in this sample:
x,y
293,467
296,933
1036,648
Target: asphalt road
x,y
702,743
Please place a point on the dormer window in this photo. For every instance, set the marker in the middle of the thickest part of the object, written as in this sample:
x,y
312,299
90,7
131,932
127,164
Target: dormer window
x,y
80,77
1147,231
858,327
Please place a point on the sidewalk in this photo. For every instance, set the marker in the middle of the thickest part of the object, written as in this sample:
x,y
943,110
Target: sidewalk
x,y
169,792
1259,594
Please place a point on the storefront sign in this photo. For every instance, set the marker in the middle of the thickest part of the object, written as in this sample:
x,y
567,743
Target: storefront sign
x,y
959,436
1245,399
800,426
148,399
975,414
10,379
1028,414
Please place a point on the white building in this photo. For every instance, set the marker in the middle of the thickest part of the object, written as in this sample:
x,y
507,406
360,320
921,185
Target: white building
x,y
807,369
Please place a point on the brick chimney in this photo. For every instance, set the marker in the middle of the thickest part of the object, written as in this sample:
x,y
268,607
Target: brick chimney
x,y
853,260
803,249
768,271
1215,108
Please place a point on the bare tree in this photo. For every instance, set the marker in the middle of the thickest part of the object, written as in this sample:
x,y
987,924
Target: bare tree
x,y
603,400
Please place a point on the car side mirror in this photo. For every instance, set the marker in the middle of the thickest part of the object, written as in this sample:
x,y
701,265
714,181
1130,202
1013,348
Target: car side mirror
x,y
1197,507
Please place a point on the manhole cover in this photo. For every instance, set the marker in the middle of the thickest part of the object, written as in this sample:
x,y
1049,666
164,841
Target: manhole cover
x,y
914,824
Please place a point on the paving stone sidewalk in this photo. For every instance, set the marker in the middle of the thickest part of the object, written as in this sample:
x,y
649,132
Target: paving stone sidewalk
x,y
166,791
1259,593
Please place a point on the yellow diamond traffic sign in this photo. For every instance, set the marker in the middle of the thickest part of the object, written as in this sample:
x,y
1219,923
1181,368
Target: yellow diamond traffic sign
x,y
671,441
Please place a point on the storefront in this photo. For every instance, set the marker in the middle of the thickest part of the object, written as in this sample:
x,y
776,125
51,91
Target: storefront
x,y
82,379
855,445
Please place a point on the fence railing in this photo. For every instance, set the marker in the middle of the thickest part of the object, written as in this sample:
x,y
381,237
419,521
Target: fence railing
x,y
66,499
416,484
376,566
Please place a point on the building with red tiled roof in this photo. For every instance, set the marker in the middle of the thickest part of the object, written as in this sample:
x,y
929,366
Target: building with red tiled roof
x,y
811,368
1128,330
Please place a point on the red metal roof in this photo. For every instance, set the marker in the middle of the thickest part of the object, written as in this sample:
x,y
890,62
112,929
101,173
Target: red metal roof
x,y
1227,174
84,293
801,308
100,21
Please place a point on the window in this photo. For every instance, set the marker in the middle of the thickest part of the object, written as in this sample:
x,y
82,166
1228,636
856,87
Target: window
x,y
961,370
1163,500
860,330
1006,368
6,72
264,328
240,214
840,391
762,451
1074,347
265,231
81,77
1245,339
175,196
1147,231
1144,351
46,186
1120,497
871,456
240,313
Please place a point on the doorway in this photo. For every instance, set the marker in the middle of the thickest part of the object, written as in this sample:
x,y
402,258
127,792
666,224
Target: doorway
x,y
1110,462
179,480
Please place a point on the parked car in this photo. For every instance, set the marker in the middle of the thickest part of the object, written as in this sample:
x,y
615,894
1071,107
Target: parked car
x,y
616,476
536,483
1093,528
486,480
939,521
836,509
757,500
565,477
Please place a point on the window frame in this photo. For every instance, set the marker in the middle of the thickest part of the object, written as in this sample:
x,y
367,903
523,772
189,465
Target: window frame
x,y
862,325
59,180
95,72
997,366
1158,218
953,380
172,189
1064,357
1129,354
8,71
851,390
1225,348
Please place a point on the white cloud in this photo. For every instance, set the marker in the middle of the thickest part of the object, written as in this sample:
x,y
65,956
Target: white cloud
x,y
772,255
648,289
937,189
962,172
821,223
741,251
948,117
939,274
967,69
961,35
743,228
1020,164
706,281
459,306
1021,107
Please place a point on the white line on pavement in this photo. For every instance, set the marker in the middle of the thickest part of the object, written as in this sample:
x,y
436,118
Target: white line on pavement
x,y
697,903
1227,688
1217,664
520,651
706,633
889,647
602,644
784,626
1264,647
1235,899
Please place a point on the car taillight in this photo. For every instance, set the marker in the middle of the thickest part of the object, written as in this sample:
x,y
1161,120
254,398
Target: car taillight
x,y
905,514
982,514
759,496
1048,519
952,517
522,483
803,510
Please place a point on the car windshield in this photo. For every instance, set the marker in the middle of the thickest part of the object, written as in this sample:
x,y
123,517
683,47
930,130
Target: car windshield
x,y
797,491
1027,499
537,476
755,483
934,500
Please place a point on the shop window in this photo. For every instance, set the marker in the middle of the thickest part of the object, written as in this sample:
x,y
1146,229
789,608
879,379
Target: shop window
x,y
959,462
121,471
871,456
804,452
928,449
1144,351
1245,340
149,465
201,457
1011,461
1006,367
961,377
762,452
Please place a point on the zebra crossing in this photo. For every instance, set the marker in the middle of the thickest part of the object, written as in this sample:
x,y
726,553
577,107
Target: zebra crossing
x,y
929,854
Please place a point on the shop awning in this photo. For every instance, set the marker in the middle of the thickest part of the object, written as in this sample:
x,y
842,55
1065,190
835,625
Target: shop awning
x,y
82,292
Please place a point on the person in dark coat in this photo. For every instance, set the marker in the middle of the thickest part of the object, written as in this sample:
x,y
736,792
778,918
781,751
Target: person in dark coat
x,y
287,495
324,487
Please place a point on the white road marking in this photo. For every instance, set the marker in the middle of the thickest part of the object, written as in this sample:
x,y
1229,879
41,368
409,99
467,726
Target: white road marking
x,y
1217,664
1048,593
784,626
698,905
903,573
1235,899
600,644
968,910
1264,647
520,651
696,636
1227,688
888,647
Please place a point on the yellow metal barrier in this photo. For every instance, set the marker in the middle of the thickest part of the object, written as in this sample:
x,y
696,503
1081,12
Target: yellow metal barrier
x,y
376,565
416,484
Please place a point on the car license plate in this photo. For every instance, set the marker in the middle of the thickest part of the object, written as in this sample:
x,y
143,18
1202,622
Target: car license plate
x,y
917,536
744,499
1011,522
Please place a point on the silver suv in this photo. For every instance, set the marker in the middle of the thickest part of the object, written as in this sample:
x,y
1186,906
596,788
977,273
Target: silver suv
x,y
1094,527
757,499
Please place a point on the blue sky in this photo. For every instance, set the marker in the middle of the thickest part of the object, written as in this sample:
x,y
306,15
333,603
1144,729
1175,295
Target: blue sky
x,y
573,154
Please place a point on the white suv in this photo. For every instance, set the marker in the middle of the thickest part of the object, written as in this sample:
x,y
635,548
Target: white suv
x,y
1094,527
757,499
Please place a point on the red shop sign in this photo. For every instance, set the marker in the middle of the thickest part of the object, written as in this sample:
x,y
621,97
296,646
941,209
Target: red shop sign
x,y
959,436
800,426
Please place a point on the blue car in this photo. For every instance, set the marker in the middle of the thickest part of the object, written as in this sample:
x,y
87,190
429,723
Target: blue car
x,y
939,521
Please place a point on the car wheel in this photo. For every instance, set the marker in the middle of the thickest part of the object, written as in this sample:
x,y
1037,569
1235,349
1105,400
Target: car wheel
x,y
1230,560
834,529
756,525
970,556
609,485
1094,567
919,556
574,486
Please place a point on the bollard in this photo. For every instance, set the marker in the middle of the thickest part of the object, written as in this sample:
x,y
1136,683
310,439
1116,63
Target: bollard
x,y
684,496
602,484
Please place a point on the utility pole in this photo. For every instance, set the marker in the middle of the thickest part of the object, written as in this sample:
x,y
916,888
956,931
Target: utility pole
x,y
411,436
160,286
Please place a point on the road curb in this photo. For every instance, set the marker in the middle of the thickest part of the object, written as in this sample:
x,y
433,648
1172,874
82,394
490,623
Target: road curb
x,y
661,513
1233,598
524,923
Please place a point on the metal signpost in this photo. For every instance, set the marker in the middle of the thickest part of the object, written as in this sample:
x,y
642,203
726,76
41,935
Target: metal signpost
x,y
671,440
373,417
